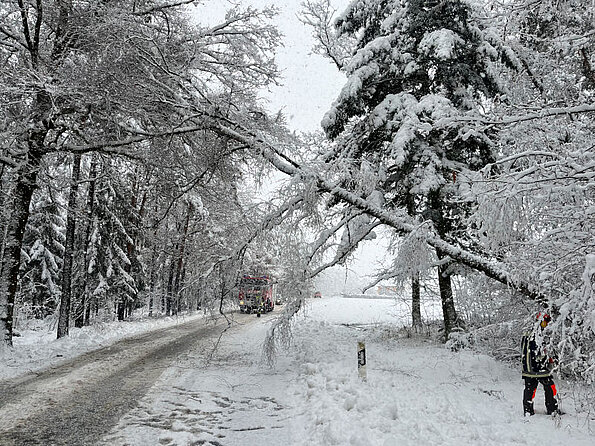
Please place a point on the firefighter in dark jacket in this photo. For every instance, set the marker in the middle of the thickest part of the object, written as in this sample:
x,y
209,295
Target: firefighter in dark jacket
x,y
537,368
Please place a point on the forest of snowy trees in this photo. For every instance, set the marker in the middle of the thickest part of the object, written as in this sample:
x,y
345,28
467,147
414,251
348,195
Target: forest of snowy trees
x,y
129,132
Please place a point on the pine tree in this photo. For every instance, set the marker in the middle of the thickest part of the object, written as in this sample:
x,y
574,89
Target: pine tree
x,y
43,248
420,71
113,274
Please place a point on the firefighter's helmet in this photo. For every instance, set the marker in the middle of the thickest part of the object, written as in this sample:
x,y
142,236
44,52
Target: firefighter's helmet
x,y
543,319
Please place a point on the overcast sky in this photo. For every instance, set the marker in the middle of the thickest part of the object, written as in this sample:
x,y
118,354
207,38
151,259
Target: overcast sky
x,y
310,82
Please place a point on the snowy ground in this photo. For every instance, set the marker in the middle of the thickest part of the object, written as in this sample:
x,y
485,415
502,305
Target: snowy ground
x,y
416,393
37,347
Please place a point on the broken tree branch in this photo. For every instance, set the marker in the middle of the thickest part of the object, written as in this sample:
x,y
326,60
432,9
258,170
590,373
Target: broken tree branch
x,y
490,268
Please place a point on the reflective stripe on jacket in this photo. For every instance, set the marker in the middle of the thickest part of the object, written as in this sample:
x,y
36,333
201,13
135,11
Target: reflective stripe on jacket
x,y
535,364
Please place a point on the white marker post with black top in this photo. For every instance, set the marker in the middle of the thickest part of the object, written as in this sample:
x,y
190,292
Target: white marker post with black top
x,y
361,360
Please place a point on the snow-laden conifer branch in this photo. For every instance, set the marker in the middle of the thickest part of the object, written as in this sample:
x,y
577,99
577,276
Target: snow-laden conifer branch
x,y
491,269
544,113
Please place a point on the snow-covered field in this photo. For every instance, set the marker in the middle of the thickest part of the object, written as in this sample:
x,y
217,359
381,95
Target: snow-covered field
x,y
417,392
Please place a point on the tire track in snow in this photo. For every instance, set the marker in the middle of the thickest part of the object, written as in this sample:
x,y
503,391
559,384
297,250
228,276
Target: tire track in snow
x,y
220,400
79,401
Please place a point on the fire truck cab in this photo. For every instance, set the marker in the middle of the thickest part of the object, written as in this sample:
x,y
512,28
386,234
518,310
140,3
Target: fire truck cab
x,y
256,294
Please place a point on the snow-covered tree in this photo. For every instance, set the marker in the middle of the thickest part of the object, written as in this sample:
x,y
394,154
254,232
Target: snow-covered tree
x,y
420,74
43,248
535,202
62,92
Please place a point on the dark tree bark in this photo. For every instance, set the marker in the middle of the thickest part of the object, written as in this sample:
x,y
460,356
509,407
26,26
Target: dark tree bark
x,y
25,183
83,312
449,313
170,283
436,214
180,261
121,309
3,216
153,274
64,320
415,285
587,69
415,301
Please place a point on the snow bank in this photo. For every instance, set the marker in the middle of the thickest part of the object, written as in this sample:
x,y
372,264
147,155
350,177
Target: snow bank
x,y
37,347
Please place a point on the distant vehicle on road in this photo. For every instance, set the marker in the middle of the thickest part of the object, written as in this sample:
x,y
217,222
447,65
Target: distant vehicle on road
x,y
388,289
318,294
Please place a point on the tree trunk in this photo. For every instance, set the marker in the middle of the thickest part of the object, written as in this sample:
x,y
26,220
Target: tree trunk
x,y
183,293
451,319
85,305
180,262
25,183
415,302
3,215
64,320
121,309
152,275
170,282
130,246
415,285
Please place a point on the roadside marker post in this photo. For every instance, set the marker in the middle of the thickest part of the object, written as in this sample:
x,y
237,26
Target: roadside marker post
x,y
361,360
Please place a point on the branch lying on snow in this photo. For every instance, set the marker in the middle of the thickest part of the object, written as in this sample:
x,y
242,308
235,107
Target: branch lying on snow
x,y
489,268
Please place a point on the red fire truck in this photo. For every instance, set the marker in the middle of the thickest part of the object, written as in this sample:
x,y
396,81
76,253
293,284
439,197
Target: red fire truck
x,y
256,294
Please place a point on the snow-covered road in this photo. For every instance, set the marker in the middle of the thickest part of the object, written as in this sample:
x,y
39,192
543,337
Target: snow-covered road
x,y
77,402
417,391
224,396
